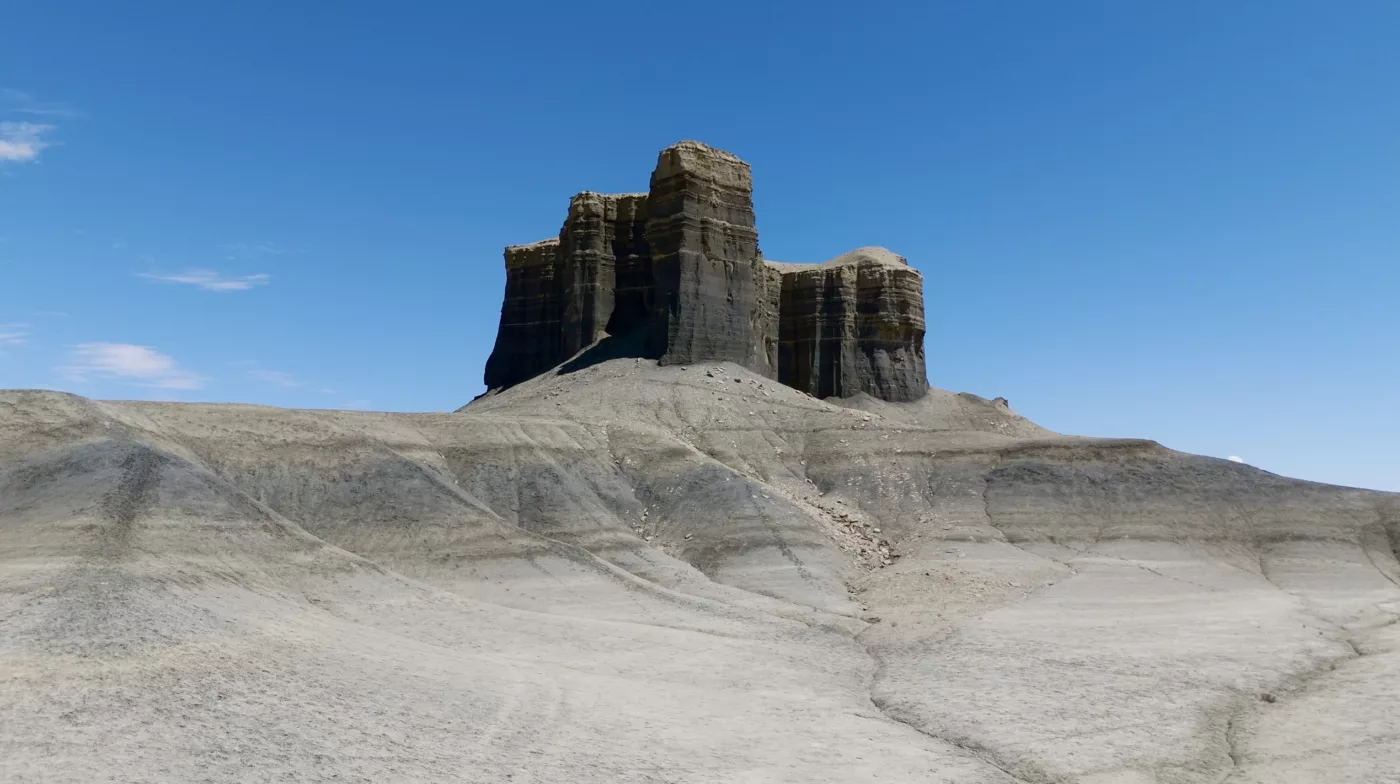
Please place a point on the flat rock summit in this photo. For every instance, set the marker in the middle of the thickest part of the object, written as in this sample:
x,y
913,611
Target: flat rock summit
x,y
709,524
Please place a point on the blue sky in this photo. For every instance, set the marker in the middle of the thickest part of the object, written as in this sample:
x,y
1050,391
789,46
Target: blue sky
x,y
1168,220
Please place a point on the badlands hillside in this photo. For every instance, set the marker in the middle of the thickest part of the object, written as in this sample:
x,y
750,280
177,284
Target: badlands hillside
x,y
710,524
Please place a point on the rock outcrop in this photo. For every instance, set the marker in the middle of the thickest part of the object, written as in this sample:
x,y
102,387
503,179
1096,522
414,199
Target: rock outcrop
x,y
679,270
711,287
854,324
565,293
528,340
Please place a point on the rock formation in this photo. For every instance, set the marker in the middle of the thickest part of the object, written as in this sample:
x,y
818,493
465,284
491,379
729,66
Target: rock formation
x,y
711,287
854,324
528,341
679,269
564,294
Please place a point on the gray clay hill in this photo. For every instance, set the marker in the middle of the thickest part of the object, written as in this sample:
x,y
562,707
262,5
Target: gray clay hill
x,y
710,524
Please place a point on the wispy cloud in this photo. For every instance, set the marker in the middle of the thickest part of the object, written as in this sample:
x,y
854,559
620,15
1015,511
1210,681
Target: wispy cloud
x,y
21,102
13,334
139,365
21,142
243,250
1235,459
355,405
210,280
276,377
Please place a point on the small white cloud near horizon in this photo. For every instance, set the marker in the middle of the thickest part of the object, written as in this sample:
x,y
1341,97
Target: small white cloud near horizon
x,y
276,377
1235,459
139,365
21,142
355,405
210,280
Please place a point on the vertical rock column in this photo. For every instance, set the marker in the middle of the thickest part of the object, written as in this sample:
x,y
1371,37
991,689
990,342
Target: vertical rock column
x,y
772,315
711,293
527,342
633,293
890,330
854,324
586,269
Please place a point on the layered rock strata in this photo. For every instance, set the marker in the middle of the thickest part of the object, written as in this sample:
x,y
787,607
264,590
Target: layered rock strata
x,y
679,269
528,340
854,324
599,229
711,287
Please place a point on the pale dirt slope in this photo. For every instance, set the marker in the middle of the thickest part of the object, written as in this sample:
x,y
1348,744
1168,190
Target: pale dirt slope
x,y
679,574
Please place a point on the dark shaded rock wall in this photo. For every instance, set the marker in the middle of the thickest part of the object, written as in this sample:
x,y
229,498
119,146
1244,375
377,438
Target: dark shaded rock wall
x,y
635,287
854,324
679,269
710,282
587,269
528,340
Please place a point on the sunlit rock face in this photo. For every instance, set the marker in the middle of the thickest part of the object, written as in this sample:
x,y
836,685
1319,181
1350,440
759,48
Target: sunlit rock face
x,y
854,324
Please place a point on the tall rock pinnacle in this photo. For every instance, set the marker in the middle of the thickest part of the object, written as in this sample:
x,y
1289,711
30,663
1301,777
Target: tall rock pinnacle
x,y
710,282
678,273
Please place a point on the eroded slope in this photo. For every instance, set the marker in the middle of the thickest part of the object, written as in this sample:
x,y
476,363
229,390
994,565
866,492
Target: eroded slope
x,y
687,573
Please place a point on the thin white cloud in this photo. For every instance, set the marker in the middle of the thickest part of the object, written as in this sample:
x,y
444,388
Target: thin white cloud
x,y
355,405
21,102
243,250
276,377
1235,459
13,334
21,142
210,280
139,365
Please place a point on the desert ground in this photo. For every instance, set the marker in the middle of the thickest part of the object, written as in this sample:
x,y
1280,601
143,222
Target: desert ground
x,y
638,573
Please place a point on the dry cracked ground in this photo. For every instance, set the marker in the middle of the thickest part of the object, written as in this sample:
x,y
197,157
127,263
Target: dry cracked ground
x,y
635,573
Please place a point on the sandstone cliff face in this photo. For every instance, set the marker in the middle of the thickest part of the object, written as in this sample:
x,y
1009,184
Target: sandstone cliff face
x,y
679,268
854,324
599,229
528,340
634,290
710,282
